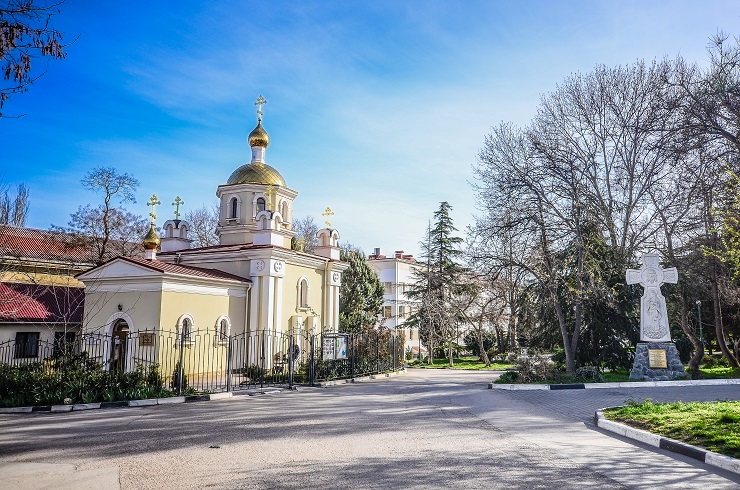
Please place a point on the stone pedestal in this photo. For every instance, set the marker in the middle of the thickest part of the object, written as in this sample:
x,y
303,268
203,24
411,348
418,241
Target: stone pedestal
x,y
648,366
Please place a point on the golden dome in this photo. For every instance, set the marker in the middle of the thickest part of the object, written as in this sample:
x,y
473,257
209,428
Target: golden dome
x,y
256,173
151,240
259,137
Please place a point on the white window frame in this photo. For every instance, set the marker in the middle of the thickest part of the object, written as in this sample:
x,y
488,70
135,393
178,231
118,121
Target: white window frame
x,y
220,338
188,340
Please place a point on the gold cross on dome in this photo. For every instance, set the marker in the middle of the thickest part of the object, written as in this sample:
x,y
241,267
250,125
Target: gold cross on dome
x,y
259,103
327,212
153,202
177,203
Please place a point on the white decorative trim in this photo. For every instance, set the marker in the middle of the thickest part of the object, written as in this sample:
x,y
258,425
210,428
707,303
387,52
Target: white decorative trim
x,y
119,315
219,338
299,304
228,216
178,326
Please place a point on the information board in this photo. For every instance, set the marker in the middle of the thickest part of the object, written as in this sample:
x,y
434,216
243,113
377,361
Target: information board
x,y
335,347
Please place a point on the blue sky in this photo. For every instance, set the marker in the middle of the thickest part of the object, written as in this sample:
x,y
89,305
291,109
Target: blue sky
x,y
376,109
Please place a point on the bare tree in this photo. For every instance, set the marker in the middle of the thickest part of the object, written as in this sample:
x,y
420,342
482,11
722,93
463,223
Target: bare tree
x,y
587,160
203,223
26,34
306,231
109,230
14,210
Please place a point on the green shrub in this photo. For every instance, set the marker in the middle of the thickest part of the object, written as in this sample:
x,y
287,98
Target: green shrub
x,y
589,374
508,377
558,358
684,348
253,372
177,383
535,369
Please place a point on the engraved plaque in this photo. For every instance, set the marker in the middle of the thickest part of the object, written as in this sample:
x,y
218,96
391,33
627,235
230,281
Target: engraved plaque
x,y
146,339
657,359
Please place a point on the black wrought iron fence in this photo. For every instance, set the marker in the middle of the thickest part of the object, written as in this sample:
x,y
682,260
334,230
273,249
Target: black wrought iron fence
x,y
205,361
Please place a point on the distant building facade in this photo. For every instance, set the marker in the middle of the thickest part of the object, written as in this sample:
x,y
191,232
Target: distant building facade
x,y
396,274
41,303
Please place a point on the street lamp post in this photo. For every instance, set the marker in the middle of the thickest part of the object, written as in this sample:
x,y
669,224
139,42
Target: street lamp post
x,y
698,309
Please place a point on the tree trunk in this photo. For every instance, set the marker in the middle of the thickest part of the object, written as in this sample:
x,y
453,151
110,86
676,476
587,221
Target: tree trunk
x,y
482,348
690,332
570,361
718,324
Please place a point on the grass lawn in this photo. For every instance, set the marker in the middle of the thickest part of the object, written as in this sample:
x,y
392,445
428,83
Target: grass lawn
x,y
468,363
714,426
719,373
618,376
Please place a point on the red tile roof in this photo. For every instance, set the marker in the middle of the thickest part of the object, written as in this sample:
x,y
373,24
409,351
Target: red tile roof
x,y
184,270
21,303
33,244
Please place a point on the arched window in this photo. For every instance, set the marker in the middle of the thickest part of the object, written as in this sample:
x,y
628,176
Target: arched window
x,y
284,210
233,208
223,330
260,204
302,293
185,327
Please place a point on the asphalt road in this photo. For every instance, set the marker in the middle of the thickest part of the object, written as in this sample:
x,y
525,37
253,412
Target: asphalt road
x,y
428,428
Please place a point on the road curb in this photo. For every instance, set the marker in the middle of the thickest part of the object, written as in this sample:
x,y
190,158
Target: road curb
x,y
371,377
629,384
148,402
181,399
707,457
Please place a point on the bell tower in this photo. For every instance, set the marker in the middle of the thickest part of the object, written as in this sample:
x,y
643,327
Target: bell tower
x,y
256,204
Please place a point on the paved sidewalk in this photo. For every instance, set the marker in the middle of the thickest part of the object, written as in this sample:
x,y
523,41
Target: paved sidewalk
x,y
438,429
562,421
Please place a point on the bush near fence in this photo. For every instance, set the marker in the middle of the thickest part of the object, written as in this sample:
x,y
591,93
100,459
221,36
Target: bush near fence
x,y
206,364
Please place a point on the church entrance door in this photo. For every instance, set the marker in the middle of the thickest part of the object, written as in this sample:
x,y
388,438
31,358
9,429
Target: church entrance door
x,y
118,346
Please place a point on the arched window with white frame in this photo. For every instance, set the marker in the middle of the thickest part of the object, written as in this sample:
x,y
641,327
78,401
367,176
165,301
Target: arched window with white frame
x,y
302,290
233,208
185,327
223,330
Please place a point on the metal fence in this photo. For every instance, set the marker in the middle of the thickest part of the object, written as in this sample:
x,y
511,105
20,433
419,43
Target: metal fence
x,y
205,361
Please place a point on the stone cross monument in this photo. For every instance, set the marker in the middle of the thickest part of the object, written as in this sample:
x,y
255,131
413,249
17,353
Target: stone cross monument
x,y
653,312
656,357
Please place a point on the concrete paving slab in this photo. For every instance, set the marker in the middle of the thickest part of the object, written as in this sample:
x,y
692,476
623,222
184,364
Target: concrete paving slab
x,y
43,476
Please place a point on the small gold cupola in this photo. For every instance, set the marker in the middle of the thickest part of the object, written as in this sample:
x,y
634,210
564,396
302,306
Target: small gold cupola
x,y
151,239
257,171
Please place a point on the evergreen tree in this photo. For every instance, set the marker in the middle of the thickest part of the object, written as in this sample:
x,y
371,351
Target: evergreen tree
x,y
438,283
360,295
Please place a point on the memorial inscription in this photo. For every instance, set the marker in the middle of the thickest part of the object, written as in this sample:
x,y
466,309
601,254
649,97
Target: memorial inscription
x,y
657,359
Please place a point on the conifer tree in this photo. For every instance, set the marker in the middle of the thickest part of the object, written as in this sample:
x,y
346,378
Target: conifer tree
x,y
436,284
360,295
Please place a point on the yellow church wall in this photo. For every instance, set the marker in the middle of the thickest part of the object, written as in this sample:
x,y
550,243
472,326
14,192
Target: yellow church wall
x,y
315,278
142,308
203,354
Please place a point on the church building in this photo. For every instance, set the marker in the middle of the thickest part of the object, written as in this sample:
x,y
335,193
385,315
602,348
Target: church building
x,y
255,280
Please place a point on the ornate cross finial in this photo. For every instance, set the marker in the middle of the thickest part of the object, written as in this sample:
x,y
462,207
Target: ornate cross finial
x,y
327,212
259,103
177,203
153,202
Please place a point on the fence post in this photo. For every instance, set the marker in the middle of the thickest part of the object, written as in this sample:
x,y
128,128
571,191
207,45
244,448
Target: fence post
x,y
290,361
229,355
262,361
181,368
311,360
